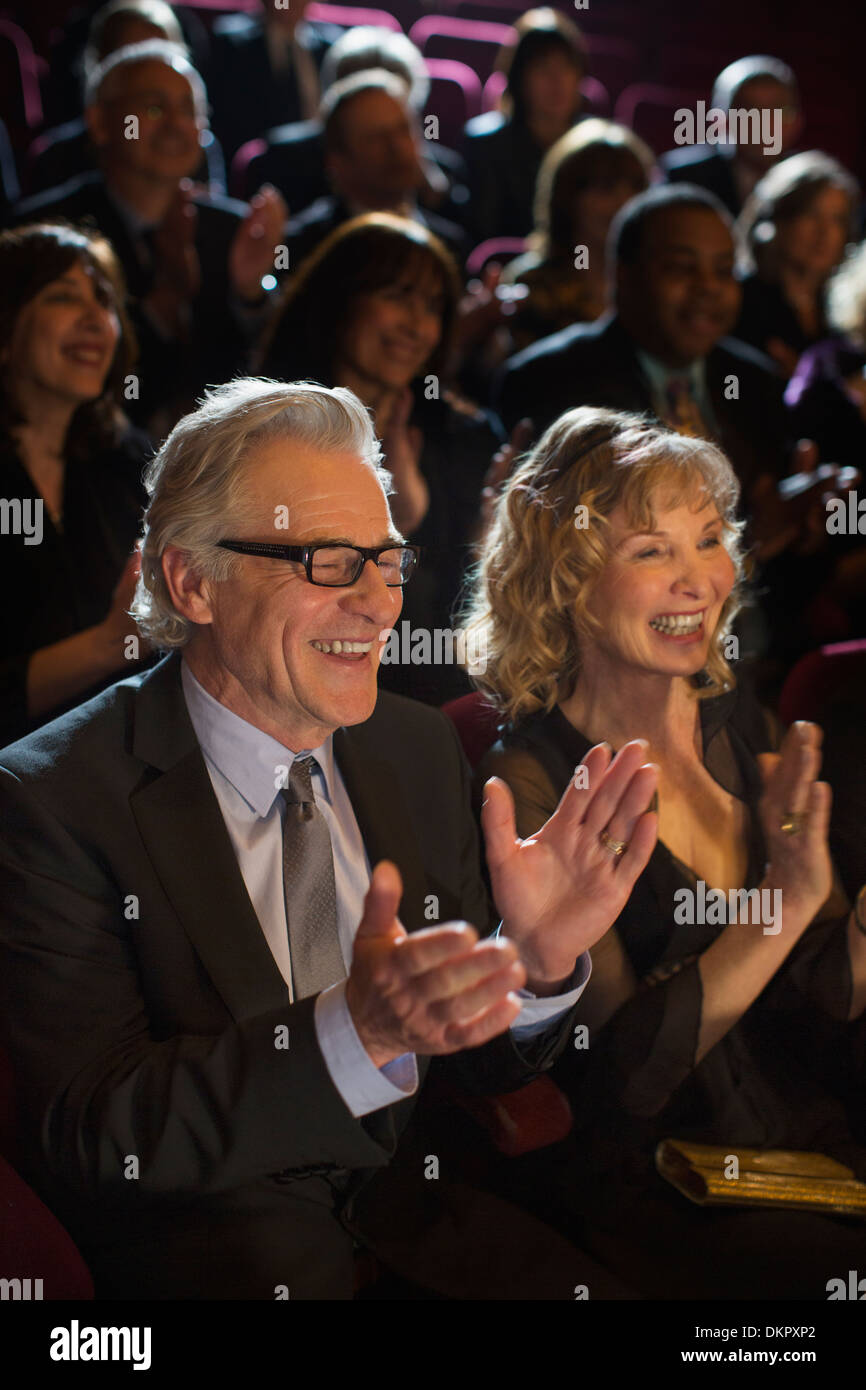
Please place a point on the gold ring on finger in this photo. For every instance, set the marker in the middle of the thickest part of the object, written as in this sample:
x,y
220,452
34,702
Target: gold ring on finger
x,y
616,847
793,822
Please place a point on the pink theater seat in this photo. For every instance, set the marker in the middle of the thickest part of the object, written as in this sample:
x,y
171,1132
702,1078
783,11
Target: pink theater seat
x,y
20,72
455,97
649,110
239,172
473,41
615,62
496,248
348,16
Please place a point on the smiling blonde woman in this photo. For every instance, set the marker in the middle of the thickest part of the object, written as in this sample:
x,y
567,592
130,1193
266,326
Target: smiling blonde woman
x,y
603,601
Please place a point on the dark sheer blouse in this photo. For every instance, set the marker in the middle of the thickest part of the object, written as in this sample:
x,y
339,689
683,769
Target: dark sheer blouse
x,y
778,1077
65,583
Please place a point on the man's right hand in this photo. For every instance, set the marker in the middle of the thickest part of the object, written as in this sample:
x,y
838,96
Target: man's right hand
x,y
437,991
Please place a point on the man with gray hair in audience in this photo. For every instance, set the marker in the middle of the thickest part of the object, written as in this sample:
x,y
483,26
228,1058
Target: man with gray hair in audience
x,y
241,903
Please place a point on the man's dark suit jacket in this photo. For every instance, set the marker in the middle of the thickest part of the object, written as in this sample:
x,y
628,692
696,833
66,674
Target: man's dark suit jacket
x,y
141,1004
246,95
218,341
597,364
306,231
707,167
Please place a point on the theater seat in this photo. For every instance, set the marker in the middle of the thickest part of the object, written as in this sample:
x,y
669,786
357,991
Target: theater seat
x,y
455,97
33,1244
475,720
348,16
649,110
816,678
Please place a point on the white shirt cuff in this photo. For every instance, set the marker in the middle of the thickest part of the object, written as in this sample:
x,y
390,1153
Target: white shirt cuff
x,y
363,1086
537,1014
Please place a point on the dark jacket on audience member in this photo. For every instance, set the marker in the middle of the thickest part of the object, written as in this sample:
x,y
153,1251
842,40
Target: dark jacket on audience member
x,y
706,166
247,96
155,1037
766,315
65,584
168,370
309,228
503,162
597,364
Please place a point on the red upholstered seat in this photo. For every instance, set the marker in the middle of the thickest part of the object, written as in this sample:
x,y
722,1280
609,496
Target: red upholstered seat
x,y
33,1244
475,720
817,676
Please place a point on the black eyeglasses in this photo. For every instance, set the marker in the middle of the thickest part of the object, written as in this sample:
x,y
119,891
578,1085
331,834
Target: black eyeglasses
x,y
336,566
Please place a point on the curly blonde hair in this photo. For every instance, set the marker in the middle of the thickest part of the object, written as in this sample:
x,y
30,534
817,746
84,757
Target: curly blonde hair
x,y
527,605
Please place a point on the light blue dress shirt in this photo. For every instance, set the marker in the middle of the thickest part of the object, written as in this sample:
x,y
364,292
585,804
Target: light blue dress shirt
x,y
248,769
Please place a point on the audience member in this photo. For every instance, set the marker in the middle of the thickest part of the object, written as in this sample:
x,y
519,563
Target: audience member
x,y
294,161
194,262
584,180
731,169
827,391
717,1025
264,70
374,309
794,228
257,1058
504,149
665,347
72,463
373,163
66,150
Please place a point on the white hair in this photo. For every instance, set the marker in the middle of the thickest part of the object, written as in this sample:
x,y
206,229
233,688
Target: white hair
x,y
197,480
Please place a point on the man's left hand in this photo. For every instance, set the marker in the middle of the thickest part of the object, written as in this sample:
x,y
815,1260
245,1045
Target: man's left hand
x,y
253,251
560,890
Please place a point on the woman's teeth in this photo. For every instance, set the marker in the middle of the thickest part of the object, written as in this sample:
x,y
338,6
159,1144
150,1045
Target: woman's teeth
x,y
676,624
338,648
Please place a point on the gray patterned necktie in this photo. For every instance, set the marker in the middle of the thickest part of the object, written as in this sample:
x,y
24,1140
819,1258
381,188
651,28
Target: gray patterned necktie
x,y
308,887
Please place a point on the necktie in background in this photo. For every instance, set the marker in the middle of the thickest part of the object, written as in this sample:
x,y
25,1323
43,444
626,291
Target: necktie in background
x,y
682,413
308,887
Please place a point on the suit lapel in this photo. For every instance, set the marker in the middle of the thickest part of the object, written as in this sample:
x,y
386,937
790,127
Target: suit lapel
x,y
182,828
382,815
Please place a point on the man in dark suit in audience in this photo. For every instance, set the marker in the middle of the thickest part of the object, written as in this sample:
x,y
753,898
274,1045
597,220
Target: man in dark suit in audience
x,y
373,162
665,347
216,1017
194,262
730,171
264,70
294,159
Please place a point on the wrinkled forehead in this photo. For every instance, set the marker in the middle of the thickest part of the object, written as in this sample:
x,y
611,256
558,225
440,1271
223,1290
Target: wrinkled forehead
x,y
307,492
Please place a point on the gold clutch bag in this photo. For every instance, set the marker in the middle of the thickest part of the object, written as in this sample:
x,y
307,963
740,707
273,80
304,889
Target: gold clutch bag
x,y
713,1176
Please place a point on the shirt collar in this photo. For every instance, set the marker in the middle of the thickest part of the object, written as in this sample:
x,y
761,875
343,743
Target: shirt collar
x,y
247,757
659,373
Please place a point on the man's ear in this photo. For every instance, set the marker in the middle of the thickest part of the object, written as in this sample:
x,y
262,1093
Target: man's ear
x,y
190,592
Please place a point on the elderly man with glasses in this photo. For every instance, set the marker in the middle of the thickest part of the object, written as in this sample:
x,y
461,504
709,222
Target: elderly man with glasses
x,y
241,903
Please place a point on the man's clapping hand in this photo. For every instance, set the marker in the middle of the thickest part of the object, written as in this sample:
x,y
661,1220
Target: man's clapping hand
x,y
437,991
